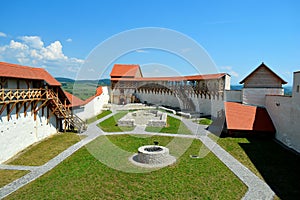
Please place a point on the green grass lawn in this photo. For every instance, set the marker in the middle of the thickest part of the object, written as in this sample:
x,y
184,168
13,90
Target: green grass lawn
x,y
110,124
81,176
7,176
101,115
232,146
173,126
279,167
205,121
42,152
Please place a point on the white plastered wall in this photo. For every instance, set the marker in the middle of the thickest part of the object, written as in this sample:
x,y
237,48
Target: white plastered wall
x,y
257,96
285,114
203,105
17,134
94,107
233,95
159,99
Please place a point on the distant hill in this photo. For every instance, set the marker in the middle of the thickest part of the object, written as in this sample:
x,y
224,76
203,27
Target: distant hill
x,y
236,87
64,80
288,90
93,82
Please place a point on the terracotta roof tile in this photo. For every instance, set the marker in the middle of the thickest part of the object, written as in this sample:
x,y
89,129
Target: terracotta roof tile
x,y
75,101
24,72
98,92
246,117
174,78
124,70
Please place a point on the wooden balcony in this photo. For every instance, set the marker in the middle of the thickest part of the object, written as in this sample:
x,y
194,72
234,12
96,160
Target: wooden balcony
x,y
26,98
19,95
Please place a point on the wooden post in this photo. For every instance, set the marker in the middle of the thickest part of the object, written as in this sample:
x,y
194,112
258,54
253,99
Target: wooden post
x,y
65,125
2,94
7,111
17,108
3,108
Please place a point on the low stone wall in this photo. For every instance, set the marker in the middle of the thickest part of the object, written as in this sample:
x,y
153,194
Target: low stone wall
x,y
157,123
167,109
187,115
126,122
150,118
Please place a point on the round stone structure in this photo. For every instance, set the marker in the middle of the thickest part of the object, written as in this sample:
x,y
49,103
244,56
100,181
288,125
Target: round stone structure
x,y
153,156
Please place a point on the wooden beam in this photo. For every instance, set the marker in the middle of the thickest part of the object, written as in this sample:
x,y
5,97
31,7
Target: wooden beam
x,y
19,108
49,114
33,108
43,104
26,107
43,112
3,108
9,110
53,111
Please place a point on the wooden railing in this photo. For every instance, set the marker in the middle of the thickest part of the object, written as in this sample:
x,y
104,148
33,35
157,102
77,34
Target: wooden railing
x,y
15,95
48,96
62,111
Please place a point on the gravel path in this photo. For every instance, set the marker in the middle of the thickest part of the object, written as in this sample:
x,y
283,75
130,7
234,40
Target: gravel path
x,y
257,188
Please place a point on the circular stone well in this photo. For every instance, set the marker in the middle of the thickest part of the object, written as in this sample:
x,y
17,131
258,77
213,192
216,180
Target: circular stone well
x,y
153,156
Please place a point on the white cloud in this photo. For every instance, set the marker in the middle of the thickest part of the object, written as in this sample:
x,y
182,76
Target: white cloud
x,y
2,34
31,50
33,41
230,71
69,40
17,45
54,52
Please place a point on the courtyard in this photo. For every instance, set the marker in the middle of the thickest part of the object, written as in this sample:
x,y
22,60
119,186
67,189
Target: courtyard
x,y
84,175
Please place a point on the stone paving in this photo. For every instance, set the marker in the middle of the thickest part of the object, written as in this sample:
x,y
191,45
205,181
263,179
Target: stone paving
x,y
257,188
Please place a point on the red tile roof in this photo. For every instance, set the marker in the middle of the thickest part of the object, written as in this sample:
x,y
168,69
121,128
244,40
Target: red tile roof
x,y
247,118
75,101
124,70
24,72
98,92
174,78
260,66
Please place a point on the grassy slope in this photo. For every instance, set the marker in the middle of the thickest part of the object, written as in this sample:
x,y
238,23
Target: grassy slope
x,y
279,167
7,176
40,153
81,176
101,115
173,126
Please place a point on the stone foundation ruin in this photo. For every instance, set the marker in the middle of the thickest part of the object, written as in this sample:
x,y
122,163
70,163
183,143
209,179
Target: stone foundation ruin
x,y
153,118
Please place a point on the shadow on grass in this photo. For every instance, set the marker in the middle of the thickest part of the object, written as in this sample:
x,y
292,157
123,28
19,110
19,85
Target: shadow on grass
x,y
279,166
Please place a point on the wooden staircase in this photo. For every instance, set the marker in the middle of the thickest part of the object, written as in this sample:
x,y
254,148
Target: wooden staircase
x,y
63,112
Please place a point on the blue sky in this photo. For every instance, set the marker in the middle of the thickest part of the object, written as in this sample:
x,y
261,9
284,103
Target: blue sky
x,y
238,35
